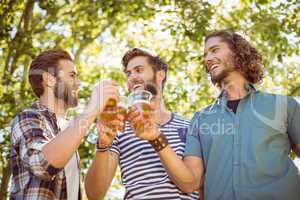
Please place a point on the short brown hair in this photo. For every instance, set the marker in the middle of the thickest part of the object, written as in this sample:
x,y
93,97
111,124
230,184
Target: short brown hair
x,y
246,58
155,61
47,61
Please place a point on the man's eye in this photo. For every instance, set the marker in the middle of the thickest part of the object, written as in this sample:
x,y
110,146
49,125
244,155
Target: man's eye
x,y
215,50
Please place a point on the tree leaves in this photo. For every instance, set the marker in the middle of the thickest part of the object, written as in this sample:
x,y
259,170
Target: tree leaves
x,y
98,33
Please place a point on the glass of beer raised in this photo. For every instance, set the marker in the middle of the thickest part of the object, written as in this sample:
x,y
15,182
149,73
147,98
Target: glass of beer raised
x,y
141,99
111,110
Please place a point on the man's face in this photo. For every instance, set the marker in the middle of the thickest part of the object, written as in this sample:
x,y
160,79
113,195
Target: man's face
x,y
66,87
218,59
140,72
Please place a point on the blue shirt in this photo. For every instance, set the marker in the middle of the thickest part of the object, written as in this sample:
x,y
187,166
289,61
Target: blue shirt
x,y
246,155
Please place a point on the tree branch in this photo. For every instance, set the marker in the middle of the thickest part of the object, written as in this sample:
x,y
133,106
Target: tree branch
x,y
5,180
85,43
18,44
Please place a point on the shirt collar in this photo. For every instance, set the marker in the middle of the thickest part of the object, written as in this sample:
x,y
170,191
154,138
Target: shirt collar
x,y
42,108
222,98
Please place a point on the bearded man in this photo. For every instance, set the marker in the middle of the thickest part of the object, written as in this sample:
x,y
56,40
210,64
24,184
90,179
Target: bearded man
x,y
45,161
138,152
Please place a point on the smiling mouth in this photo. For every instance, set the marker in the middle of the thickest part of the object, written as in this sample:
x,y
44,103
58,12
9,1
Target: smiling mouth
x,y
213,68
138,86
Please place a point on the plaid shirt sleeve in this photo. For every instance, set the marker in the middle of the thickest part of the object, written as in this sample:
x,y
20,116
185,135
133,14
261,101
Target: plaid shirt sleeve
x,y
29,135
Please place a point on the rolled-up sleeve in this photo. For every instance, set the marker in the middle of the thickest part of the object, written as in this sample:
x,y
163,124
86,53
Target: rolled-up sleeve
x,y
29,135
293,127
193,145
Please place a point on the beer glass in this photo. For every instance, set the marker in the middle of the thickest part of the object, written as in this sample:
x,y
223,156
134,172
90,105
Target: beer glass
x,y
141,99
112,109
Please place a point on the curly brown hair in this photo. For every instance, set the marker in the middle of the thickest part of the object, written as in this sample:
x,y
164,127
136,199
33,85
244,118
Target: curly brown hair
x,y
246,58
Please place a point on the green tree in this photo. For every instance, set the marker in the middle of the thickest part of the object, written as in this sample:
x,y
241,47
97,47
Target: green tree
x,y
98,33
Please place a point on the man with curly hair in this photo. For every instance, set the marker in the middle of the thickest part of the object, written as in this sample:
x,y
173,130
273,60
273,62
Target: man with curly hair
x,y
243,140
238,147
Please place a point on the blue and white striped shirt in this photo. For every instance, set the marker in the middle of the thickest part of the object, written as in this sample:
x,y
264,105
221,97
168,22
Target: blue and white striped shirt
x,y
143,175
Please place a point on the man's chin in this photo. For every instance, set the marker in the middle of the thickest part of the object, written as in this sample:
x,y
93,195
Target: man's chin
x,y
71,103
74,104
216,80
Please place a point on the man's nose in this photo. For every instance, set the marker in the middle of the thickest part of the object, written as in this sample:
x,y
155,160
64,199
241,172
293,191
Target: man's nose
x,y
208,58
133,77
208,61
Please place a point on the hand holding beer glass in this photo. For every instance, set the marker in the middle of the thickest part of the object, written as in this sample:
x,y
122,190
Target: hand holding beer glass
x,y
112,120
142,114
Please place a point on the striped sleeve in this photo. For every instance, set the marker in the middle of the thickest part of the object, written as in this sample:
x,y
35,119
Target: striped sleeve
x,y
115,146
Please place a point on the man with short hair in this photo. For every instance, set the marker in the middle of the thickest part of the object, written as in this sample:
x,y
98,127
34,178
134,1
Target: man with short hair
x,y
45,161
143,173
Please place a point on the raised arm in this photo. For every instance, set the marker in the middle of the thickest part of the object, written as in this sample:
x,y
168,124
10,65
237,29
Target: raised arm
x,y
103,168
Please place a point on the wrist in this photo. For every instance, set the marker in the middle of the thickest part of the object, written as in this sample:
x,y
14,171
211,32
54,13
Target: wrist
x,y
160,142
100,147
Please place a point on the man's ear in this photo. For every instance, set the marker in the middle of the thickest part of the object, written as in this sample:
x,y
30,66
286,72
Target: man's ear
x,y
160,75
48,80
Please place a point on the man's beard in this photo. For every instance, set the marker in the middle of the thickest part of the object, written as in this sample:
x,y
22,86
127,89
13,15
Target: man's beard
x,y
219,78
149,85
152,87
63,91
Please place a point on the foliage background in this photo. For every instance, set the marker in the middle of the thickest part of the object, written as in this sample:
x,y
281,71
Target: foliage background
x,y
98,33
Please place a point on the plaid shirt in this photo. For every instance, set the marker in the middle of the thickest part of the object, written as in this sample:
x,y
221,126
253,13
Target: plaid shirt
x,y
33,177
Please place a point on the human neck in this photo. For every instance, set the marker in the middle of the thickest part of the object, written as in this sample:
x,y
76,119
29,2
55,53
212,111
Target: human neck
x,y
234,85
163,114
55,105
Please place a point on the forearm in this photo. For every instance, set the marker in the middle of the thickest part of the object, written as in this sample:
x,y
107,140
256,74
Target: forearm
x,y
59,150
100,175
179,173
201,194
201,190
